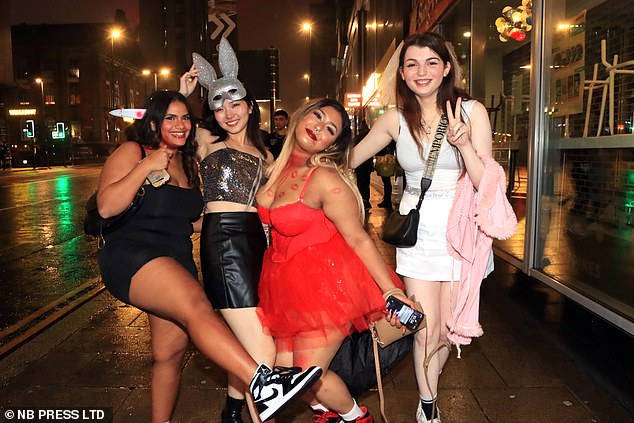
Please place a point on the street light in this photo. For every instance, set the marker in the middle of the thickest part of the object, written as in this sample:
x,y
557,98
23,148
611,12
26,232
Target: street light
x,y
308,27
163,71
307,78
115,33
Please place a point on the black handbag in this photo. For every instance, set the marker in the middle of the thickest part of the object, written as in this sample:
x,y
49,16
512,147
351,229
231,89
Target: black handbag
x,y
401,230
354,361
97,226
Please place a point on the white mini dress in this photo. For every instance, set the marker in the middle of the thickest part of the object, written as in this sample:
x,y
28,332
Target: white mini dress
x,y
428,260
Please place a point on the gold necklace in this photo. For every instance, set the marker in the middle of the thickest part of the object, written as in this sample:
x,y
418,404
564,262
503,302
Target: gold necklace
x,y
427,126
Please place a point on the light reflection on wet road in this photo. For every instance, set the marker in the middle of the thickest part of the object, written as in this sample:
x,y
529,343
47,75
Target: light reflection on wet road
x,y
43,251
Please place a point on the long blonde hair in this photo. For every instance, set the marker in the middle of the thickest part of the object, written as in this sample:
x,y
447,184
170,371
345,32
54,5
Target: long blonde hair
x,y
336,156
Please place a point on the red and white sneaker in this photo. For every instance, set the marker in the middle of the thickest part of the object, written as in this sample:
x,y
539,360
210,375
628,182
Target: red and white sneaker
x,y
320,416
366,418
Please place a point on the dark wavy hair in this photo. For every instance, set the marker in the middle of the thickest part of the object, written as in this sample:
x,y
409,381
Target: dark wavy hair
x,y
406,99
156,108
210,123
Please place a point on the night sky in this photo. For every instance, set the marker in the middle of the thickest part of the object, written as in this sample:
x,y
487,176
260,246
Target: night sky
x,y
261,23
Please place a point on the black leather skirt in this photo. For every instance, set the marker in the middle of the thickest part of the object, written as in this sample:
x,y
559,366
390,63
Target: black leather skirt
x,y
232,246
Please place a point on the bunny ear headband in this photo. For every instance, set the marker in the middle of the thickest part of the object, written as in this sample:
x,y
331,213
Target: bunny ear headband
x,y
227,87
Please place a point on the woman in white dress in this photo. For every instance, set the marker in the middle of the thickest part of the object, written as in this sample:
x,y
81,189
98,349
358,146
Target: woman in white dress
x,y
425,90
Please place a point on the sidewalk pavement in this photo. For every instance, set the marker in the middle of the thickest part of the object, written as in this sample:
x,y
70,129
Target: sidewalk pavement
x,y
99,357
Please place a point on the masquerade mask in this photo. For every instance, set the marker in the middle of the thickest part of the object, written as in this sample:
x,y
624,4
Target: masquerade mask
x,y
225,88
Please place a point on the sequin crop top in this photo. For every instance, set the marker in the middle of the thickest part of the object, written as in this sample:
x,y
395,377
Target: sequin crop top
x,y
228,175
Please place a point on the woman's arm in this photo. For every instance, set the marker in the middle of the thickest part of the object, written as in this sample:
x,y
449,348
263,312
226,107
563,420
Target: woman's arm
x,y
340,206
384,130
122,175
188,81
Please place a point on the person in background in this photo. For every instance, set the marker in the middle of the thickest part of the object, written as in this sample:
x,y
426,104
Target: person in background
x,y
386,202
232,158
364,170
276,140
322,276
426,91
148,262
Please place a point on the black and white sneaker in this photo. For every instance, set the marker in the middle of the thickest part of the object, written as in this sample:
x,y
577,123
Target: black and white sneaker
x,y
273,389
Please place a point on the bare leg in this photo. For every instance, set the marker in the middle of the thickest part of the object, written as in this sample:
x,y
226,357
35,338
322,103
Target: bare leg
x,y
169,343
330,390
247,327
165,288
427,340
235,388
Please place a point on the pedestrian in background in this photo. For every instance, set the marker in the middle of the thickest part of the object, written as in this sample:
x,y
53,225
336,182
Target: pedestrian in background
x,y
364,170
386,202
426,91
148,261
275,140
232,158
322,275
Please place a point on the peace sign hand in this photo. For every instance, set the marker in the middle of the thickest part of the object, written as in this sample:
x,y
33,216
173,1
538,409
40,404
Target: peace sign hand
x,y
457,133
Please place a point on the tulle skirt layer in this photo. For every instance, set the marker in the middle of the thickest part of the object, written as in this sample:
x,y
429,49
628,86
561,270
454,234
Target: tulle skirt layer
x,y
318,296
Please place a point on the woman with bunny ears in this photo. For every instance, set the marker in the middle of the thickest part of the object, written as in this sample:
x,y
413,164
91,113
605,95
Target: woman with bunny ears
x,y
147,261
232,157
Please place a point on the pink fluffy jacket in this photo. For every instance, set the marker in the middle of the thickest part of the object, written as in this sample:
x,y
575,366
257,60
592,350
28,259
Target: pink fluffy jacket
x,y
475,219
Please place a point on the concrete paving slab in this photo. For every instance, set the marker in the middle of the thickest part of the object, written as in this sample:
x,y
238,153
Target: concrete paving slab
x,y
54,369
200,373
115,371
108,339
550,404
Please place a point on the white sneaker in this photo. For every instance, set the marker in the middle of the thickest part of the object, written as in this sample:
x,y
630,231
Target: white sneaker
x,y
273,389
421,418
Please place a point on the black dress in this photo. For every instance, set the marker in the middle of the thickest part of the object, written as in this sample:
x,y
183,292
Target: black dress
x,y
162,227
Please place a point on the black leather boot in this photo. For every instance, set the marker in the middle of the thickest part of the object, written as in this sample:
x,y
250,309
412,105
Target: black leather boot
x,y
232,413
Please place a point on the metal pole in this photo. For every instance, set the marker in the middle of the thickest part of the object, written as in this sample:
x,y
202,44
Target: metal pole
x,y
112,70
42,125
155,81
310,62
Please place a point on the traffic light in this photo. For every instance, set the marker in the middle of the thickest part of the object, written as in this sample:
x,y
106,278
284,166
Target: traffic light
x,y
30,128
60,131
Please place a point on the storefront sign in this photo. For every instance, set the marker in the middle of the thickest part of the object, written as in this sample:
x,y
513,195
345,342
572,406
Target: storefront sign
x,y
353,100
22,112
568,63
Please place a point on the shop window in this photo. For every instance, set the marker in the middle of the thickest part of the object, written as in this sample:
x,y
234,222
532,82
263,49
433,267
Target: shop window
x,y
496,70
587,201
74,95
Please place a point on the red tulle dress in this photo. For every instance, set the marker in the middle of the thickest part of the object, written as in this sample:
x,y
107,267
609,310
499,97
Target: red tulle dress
x,y
312,282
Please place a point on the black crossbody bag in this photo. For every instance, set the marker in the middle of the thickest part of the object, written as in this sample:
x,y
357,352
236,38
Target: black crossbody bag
x,y
402,230
97,226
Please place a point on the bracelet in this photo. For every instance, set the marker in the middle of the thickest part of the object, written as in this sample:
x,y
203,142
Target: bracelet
x,y
392,292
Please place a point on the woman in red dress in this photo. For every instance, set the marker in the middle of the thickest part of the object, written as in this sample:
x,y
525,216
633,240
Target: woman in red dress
x,y
322,277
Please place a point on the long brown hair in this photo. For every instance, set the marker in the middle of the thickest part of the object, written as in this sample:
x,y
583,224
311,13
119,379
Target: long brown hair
x,y
406,100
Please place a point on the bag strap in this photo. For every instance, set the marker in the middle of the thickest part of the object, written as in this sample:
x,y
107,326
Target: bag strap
x,y
379,380
432,158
